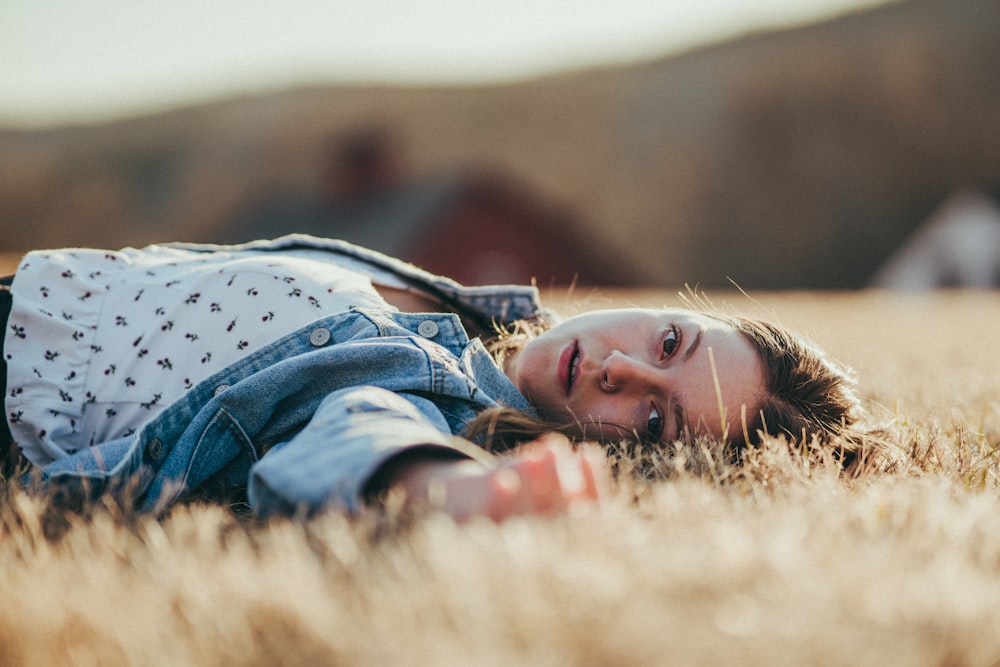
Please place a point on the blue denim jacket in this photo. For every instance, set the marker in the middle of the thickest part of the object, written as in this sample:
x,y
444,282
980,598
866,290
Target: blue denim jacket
x,y
305,422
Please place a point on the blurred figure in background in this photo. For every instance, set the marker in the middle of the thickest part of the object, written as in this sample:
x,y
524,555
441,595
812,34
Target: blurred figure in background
x,y
477,224
958,246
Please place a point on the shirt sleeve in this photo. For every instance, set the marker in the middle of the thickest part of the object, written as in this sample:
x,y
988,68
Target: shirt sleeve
x,y
352,434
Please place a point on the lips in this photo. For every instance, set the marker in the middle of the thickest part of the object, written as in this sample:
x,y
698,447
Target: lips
x,y
569,362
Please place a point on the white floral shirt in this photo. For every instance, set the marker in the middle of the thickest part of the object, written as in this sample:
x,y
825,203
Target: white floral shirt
x,y
101,341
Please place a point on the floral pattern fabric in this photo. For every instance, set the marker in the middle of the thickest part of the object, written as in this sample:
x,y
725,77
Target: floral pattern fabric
x,y
100,342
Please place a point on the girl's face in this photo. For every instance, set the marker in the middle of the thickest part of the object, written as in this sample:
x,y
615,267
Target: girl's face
x,y
645,373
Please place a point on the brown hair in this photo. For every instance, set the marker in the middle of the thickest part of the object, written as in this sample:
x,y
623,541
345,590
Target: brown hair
x,y
503,429
808,396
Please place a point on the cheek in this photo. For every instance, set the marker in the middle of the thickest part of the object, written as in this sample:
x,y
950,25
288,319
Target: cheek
x,y
538,350
603,418
604,431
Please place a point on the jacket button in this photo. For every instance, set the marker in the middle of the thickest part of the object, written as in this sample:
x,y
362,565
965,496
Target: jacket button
x,y
154,449
319,337
221,388
427,329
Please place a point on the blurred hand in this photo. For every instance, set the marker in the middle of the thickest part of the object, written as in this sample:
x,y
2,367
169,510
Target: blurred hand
x,y
543,477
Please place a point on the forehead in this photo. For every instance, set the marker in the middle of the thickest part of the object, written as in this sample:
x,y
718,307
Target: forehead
x,y
728,378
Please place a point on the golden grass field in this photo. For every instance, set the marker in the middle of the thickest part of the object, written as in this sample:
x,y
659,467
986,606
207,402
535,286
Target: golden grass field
x,y
780,562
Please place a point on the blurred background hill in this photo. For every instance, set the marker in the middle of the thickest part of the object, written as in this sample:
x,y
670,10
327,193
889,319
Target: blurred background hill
x,y
799,158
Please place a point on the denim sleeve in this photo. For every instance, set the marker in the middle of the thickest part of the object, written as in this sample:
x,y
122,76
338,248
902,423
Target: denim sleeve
x,y
353,432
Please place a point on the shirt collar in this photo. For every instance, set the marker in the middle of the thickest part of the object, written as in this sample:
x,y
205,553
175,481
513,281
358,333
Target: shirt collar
x,y
490,378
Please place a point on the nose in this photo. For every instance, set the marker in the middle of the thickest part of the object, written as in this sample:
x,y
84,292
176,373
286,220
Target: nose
x,y
620,372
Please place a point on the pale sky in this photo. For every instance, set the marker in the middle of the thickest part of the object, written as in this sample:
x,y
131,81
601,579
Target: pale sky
x,y
86,60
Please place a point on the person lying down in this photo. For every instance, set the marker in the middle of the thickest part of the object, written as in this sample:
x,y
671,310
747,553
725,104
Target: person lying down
x,y
311,374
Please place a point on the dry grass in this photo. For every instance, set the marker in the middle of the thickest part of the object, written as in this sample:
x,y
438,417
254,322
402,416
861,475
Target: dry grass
x,y
780,562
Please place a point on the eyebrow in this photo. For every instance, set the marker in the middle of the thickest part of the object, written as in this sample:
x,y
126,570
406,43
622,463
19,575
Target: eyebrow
x,y
679,420
693,346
